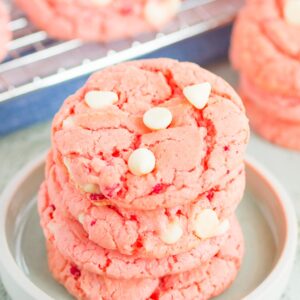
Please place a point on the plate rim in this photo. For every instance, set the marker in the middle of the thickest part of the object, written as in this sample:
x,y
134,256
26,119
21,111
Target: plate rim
x,y
288,254
6,258
279,270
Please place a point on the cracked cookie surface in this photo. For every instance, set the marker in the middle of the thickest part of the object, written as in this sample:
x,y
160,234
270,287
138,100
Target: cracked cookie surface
x,y
139,232
198,149
208,281
72,241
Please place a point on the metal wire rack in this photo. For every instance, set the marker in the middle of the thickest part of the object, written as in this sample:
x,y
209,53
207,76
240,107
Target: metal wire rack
x,y
35,61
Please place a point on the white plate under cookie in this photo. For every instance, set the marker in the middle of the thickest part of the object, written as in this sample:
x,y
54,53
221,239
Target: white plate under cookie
x,y
266,214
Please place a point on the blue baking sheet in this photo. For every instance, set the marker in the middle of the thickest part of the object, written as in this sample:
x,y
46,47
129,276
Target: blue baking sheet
x,y
43,104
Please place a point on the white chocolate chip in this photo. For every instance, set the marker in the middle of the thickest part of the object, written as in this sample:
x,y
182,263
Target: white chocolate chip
x,y
68,166
100,99
172,233
81,218
223,227
100,203
91,188
101,2
51,227
206,224
66,163
292,12
198,94
141,162
68,123
157,118
158,12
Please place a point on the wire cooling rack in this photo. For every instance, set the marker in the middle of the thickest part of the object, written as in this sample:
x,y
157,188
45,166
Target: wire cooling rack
x,y
36,61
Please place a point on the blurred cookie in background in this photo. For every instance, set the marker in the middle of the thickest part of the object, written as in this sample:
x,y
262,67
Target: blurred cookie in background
x,y
99,20
5,34
266,52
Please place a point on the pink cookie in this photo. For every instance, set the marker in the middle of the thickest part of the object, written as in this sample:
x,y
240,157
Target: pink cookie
x,y
193,154
72,241
208,281
99,20
281,130
266,52
141,232
5,34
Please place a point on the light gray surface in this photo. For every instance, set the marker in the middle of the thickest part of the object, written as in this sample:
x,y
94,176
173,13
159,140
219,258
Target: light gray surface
x,y
19,148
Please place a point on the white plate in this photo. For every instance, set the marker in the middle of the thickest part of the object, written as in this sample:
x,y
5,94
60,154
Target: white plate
x,y
266,215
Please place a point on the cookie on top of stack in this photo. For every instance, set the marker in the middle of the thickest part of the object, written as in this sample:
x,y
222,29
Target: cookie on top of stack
x,y
266,52
99,20
142,181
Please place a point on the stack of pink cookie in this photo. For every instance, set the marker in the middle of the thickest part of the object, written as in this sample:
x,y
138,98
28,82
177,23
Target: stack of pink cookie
x,y
4,31
99,20
144,176
266,51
